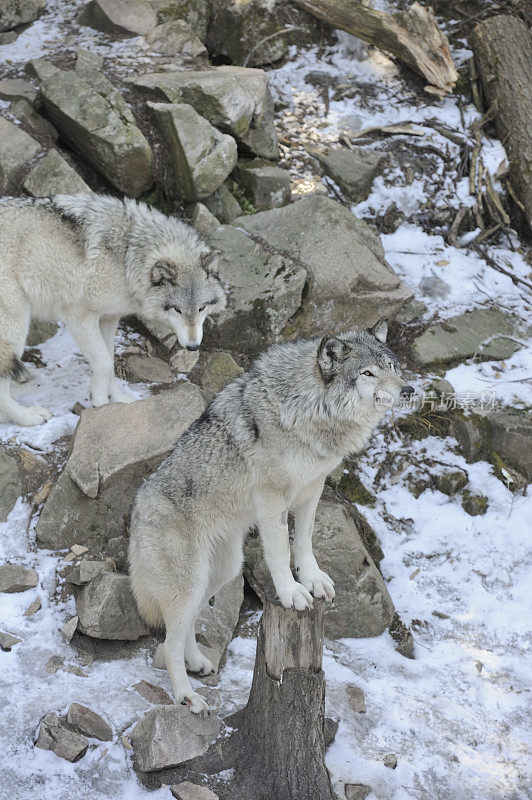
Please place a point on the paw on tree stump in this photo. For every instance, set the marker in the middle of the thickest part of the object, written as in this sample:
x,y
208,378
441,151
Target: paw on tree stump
x,y
276,744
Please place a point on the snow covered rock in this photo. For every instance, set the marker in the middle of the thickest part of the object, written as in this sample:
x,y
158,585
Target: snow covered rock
x,y
14,13
202,157
88,722
234,99
55,736
7,641
115,448
106,609
17,149
10,483
53,175
16,578
353,170
95,120
350,282
120,17
176,38
264,184
169,735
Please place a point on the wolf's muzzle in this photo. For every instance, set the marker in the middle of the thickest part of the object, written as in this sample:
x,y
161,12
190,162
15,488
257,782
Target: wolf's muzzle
x,y
196,347
407,391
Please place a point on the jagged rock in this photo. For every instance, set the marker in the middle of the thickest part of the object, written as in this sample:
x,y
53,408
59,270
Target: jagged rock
x,y
86,570
95,120
87,60
474,504
169,735
24,111
195,12
176,38
17,149
33,607
192,791
390,760
106,609
88,722
265,291
264,184
353,170
153,694
459,338
451,482
202,157
357,699
53,735
235,99
350,282
509,434
15,88
53,175
357,791
121,17
69,628
148,369
7,641
202,219
184,360
20,12
79,550
41,68
362,606
16,578
218,370
90,503
223,205
10,483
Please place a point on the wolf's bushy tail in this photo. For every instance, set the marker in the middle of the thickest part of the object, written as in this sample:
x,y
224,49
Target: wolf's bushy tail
x,y
10,364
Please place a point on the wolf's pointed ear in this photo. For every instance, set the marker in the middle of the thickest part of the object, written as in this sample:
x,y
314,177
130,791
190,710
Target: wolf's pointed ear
x,y
380,330
162,272
330,351
209,262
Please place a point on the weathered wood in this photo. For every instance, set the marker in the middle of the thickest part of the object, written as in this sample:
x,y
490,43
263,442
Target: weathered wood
x,y
413,36
502,47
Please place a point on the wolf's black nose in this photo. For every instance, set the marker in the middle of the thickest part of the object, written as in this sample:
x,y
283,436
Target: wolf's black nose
x,y
196,347
406,391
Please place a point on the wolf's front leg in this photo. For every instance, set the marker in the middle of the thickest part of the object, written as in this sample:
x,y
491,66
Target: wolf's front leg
x,y
272,519
307,569
108,326
86,331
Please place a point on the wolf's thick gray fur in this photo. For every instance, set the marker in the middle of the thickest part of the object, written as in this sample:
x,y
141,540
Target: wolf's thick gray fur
x,y
88,260
263,447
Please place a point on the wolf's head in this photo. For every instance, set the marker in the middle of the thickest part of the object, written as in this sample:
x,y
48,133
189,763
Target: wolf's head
x,y
360,370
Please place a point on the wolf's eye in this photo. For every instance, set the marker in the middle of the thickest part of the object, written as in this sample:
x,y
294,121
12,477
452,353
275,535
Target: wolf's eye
x,y
368,373
202,308
177,310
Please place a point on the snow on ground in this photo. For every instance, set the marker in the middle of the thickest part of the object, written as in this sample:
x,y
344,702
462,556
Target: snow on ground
x,y
457,716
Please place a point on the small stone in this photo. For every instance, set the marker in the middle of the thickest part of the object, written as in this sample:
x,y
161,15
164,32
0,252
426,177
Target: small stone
x,y
33,607
53,664
85,721
452,482
148,369
79,549
357,699
202,219
184,360
40,496
192,791
70,557
357,791
69,628
474,504
77,408
330,729
16,578
402,637
54,736
264,184
7,641
86,570
107,610
390,760
153,694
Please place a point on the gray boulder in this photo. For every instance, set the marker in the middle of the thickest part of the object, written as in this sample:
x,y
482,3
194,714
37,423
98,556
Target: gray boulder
x,y
176,38
95,120
148,369
115,448
88,722
235,99
265,291
23,110
223,205
10,483
14,13
15,88
16,578
55,736
202,157
122,17
509,434
53,175
86,571
350,282
264,184
17,149
362,606
169,735
357,791
106,609
195,12
203,220
217,371
480,332
353,170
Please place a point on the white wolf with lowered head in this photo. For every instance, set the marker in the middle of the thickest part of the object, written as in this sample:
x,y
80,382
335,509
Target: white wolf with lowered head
x,y
262,448
88,260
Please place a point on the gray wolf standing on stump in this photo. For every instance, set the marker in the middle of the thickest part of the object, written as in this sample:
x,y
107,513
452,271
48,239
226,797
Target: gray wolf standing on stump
x,y
88,260
261,449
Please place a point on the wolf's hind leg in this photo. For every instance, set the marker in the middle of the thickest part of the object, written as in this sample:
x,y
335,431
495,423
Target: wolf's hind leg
x,y
307,569
108,326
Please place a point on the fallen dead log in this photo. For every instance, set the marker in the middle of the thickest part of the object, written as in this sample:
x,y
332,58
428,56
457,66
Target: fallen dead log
x,y
413,36
502,47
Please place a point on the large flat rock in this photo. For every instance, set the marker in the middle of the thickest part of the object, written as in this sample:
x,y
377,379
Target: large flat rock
x,y
236,100
350,282
115,447
120,17
53,175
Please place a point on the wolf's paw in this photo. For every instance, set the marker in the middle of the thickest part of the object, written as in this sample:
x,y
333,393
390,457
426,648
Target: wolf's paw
x,y
196,703
34,415
117,395
295,596
317,582
199,664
